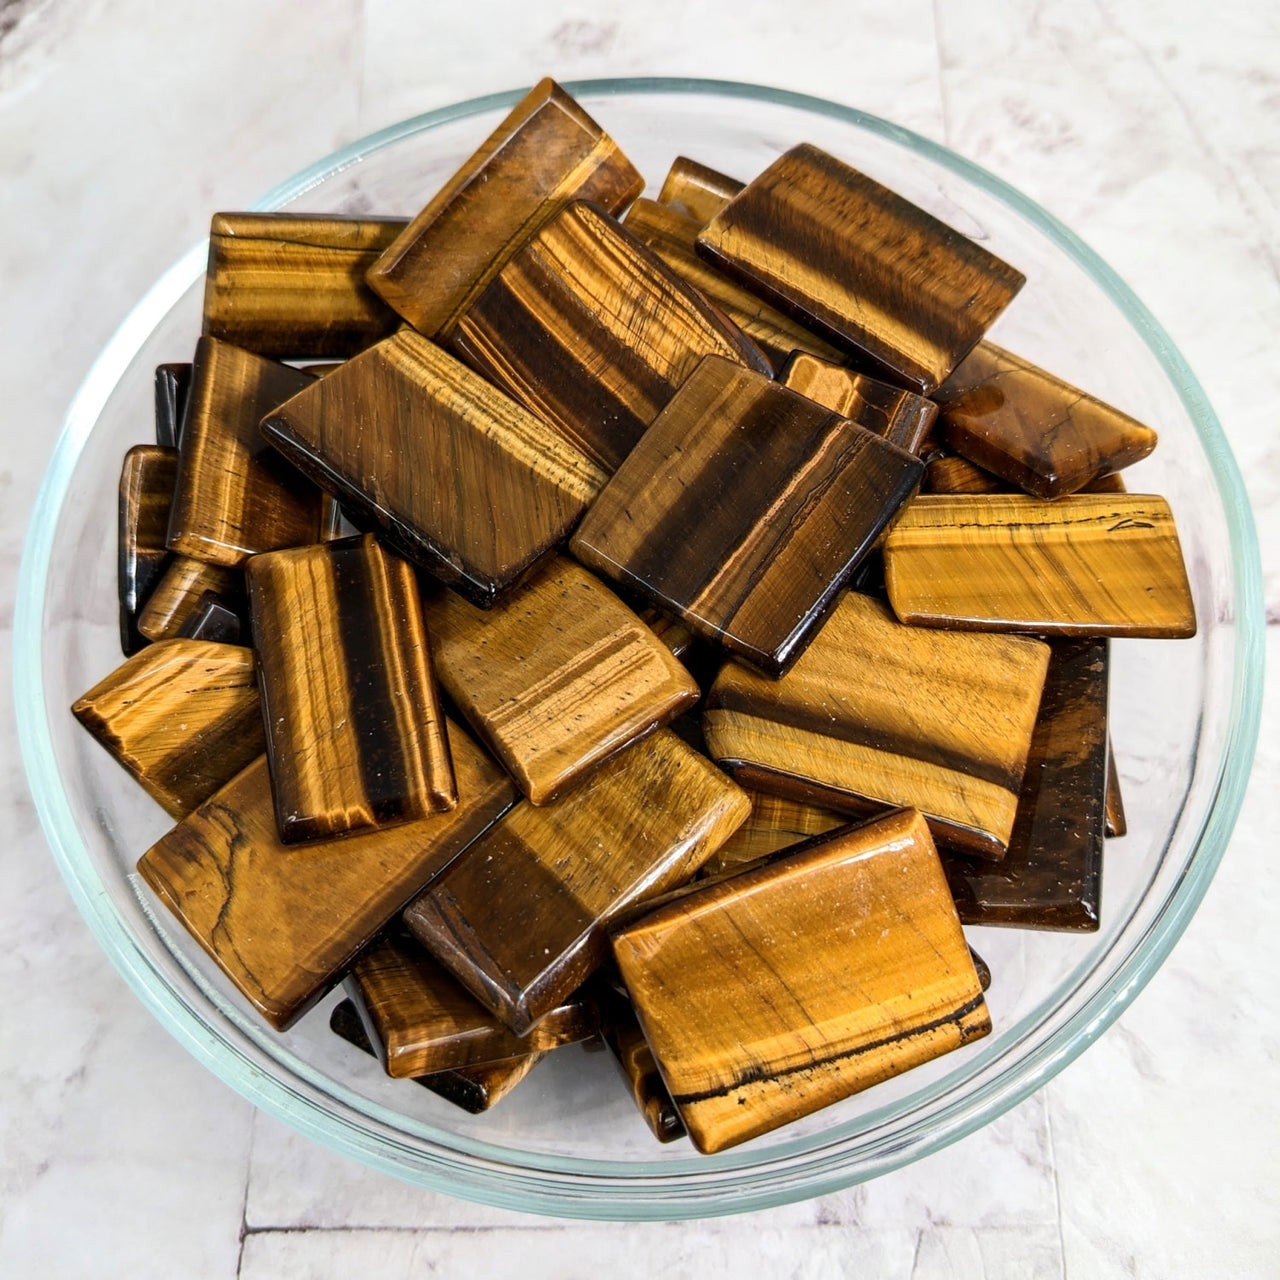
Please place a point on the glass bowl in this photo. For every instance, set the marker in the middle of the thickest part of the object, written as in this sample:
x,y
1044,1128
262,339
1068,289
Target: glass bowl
x,y
570,1141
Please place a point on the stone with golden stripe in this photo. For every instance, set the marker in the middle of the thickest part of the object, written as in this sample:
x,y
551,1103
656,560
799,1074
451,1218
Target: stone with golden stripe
x,y
697,189
776,822
177,597
146,494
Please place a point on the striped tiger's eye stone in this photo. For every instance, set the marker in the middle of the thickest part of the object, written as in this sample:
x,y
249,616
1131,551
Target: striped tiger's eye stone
x,y
949,473
621,1032
146,494
450,473
776,822
878,714
181,717
355,734
284,922
698,190
290,285
743,509
771,994
1087,565
546,153
865,268
1032,429
556,678
521,918
1116,823
181,592
594,333
173,385
236,496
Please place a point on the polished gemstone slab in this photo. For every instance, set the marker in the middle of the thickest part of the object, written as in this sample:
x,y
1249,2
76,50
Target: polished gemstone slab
x,y
425,1022
879,714
1031,428
355,733
1114,808
284,922
173,385
180,595
776,992
181,716
631,1051
676,635
1051,877
1091,564
557,677
950,473
901,417
867,269
776,822
211,619
593,332
743,509
673,235
546,153
236,496
146,494
520,919
700,191
292,285
423,451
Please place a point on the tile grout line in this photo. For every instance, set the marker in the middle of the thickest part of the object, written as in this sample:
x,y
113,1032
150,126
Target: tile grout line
x,y
1057,1189
244,1198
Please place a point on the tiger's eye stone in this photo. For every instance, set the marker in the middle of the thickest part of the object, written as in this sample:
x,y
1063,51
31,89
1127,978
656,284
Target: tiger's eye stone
x,y
355,734
556,678
182,717
676,635
865,268
235,496
673,236
952,474
631,1051
594,333
700,191
776,822
146,493
743,509
173,385
425,452
1033,429
771,994
521,918
178,597
1114,807
284,922
546,153
1088,565
284,284
212,620
879,714
1051,877
901,417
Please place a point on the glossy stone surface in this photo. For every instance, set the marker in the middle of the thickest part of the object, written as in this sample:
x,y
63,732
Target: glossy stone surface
x,y
182,717
424,1022
868,270
743,509
592,332
546,153
1089,565
557,677
520,919
284,922
1116,824
1031,428
879,714
212,620
673,236
236,496
179,595
423,451
776,992
950,473
173,385
776,822
292,285
355,733
146,494
901,417
1051,877
631,1051
697,189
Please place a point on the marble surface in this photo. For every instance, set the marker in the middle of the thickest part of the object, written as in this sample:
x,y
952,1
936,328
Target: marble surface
x,y
1149,126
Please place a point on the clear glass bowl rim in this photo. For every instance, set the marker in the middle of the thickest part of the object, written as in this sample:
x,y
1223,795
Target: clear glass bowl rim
x,y
599,1189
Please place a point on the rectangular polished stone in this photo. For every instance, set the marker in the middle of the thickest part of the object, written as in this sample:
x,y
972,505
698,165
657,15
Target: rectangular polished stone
x,y
771,994
592,332
1087,565
879,714
557,677
292,285
146,494
182,717
621,1032
236,496
950,473
1033,429
743,509
181,593
776,822
355,733
1117,825
865,268
546,153
284,922
520,919
173,386
697,190
423,451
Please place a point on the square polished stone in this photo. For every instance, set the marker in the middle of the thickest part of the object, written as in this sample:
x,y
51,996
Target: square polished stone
x,y
146,495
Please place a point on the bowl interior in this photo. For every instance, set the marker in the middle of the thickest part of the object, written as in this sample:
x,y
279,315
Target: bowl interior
x,y
570,1140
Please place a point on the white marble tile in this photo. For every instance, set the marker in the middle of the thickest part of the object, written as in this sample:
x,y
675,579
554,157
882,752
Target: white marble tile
x,y
997,1253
